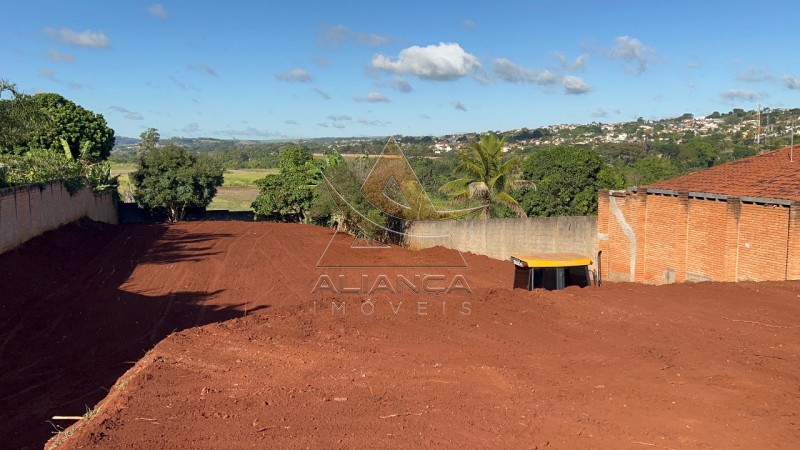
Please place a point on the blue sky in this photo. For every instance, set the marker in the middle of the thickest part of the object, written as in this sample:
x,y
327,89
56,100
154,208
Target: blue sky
x,y
295,69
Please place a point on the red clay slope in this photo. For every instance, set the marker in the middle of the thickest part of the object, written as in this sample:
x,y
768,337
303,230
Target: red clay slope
x,y
625,366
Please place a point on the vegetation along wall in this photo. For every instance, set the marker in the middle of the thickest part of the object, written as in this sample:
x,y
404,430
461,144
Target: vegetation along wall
x,y
667,237
30,210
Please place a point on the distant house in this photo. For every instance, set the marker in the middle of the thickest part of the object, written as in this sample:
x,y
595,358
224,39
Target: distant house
x,y
733,222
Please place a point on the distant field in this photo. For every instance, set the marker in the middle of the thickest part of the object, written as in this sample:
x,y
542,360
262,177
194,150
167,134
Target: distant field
x,y
234,198
236,194
245,177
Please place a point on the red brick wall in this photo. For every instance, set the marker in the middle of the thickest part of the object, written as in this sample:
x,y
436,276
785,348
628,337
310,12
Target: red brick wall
x,y
665,235
680,238
705,251
618,264
793,266
763,238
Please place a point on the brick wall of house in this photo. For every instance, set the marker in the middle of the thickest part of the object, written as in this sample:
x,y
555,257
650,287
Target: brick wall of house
x,y
619,259
763,239
707,239
681,238
665,236
793,253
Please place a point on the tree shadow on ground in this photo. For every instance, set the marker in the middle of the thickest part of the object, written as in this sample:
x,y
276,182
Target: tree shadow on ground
x,y
67,330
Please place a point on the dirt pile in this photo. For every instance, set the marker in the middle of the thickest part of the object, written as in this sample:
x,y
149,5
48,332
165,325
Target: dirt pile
x,y
625,366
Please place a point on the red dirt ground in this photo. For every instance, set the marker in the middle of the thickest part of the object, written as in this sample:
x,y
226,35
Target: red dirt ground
x,y
706,365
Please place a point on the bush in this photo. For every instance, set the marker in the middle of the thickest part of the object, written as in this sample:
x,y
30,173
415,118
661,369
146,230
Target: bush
x,y
171,179
41,166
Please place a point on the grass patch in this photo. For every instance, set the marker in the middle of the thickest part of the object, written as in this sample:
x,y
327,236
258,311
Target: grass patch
x,y
245,177
238,198
117,167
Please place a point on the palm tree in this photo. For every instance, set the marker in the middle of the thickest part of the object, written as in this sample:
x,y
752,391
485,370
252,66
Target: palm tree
x,y
6,85
487,177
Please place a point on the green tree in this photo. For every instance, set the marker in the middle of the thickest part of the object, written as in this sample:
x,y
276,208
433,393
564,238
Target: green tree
x,y
20,116
149,141
650,170
487,177
79,127
171,179
567,180
697,153
287,196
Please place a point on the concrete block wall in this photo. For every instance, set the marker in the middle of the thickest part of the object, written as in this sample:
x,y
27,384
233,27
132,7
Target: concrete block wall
x,y
28,211
499,238
662,238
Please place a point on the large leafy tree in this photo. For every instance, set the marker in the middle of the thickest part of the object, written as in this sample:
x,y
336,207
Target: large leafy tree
x,y
85,133
567,180
288,195
487,177
171,179
20,117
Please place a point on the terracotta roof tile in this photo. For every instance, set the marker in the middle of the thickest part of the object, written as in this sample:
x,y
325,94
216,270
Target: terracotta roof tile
x,y
768,175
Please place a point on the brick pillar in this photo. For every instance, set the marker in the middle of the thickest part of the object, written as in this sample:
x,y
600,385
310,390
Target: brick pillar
x,y
731,259
602,231
681,236
793,252
638,222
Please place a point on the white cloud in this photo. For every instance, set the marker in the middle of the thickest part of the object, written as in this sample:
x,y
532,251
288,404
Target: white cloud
x,y
130,115
578,65
458,105
398,83
513,73
372,123
445,61
339,34
634,52
742,95
470,24
299,75
86,38
575,85
55,55
373,97
202,68
755,75
157,10
602,112
322,94
791,82
339,118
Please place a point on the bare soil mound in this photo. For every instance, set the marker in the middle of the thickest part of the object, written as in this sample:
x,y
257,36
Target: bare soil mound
x,y
623,366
